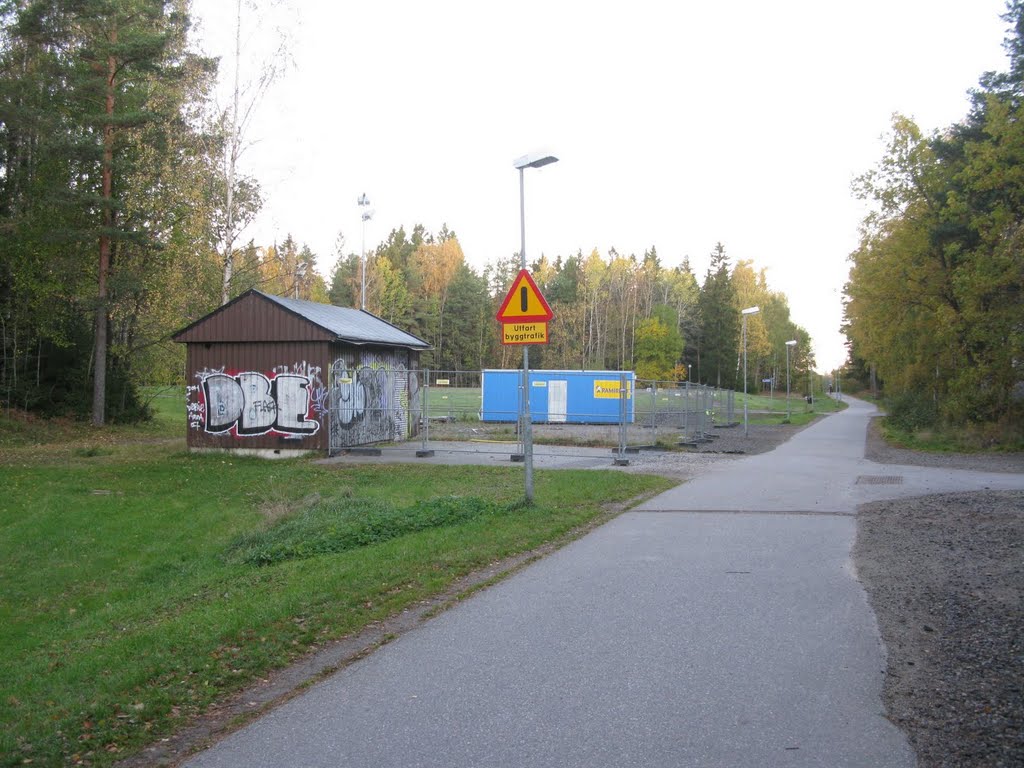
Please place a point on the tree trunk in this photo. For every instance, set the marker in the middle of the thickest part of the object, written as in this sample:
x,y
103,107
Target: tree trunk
x,y
99,390
229,172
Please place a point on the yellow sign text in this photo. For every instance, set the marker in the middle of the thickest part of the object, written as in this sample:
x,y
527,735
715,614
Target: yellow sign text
x,y
524,333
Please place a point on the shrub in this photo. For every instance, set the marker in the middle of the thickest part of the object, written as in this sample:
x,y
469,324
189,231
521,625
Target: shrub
x,y
338,525
911,411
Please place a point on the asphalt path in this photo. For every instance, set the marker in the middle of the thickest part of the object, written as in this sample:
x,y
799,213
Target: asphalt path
x,y
720,624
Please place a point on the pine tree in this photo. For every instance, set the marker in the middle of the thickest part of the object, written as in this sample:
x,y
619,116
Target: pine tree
x,y
720,324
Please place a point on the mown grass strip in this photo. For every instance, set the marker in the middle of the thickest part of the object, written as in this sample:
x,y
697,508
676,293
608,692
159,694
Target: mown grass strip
x,y
128,606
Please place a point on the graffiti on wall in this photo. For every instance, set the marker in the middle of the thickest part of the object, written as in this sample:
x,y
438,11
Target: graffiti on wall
x,y
288,400
371,398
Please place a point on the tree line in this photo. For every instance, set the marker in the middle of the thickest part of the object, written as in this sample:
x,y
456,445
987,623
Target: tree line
x,y
613,311
935,300
122,201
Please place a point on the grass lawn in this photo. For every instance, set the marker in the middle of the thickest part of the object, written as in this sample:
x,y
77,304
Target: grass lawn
x,y
462,403
141,583
967,438
763,409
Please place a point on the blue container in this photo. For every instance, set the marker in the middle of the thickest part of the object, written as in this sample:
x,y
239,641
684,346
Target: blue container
x,y
559,397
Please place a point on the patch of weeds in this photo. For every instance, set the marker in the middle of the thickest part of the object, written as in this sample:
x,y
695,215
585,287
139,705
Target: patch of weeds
x,y
93,451
281,506
342,524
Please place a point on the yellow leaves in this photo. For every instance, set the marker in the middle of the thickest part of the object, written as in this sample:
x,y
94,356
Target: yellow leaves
x,y
437,264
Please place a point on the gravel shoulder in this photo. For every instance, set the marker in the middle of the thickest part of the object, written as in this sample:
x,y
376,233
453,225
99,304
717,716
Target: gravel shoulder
x,y
945,577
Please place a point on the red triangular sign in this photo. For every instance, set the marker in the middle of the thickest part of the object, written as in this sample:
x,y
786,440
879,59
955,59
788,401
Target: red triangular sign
x,y
524,302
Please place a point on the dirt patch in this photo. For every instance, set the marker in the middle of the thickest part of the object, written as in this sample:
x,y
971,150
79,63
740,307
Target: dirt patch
x,y
945,577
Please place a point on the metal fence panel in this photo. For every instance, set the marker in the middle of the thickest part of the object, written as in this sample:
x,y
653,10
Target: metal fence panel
x,y
479,411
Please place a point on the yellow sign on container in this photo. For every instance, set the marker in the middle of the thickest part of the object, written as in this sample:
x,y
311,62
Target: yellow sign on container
x,y
524,333
609,389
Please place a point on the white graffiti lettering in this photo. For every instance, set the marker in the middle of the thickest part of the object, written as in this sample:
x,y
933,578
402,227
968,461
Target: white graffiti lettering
x,y
250,403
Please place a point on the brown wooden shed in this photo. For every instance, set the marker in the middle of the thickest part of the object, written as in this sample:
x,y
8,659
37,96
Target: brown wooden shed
x,y
276,376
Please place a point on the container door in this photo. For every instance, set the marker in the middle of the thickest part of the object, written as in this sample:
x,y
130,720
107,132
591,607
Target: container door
x,y
558,401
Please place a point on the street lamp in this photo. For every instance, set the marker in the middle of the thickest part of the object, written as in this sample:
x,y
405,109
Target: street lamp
x,y
745,313
790,343
366,215
535,160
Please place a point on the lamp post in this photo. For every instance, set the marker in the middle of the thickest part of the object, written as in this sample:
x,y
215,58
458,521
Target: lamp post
x,y
535,160
790,343
745,313
366,214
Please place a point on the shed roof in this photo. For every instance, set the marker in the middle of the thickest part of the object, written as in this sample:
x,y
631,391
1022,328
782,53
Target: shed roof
x,y
344,324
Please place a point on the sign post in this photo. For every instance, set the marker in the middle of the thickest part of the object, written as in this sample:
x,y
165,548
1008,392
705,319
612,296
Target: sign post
x,y
524,316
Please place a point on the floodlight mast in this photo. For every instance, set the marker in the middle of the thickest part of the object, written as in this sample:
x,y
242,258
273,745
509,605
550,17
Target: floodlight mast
x,y
533,160
366,215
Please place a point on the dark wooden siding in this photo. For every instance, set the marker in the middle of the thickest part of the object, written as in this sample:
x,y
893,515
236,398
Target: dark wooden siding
x,y
253,318
252,395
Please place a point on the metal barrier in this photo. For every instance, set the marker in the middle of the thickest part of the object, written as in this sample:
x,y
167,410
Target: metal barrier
x,y
479,411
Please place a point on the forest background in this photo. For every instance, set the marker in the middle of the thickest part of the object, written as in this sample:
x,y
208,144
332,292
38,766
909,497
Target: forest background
x,y
122,211
935,300
123,207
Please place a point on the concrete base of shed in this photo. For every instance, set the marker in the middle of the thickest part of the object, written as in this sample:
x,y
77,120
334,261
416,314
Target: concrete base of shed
x,y
262,453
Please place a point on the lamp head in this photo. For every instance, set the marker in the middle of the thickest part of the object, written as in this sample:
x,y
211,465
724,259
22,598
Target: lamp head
x,y
534,160
750,311
791,343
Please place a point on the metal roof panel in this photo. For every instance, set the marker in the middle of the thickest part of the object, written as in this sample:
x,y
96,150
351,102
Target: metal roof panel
x,y
355,326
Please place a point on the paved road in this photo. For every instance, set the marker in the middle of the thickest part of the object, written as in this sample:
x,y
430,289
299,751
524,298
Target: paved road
x,y
718,625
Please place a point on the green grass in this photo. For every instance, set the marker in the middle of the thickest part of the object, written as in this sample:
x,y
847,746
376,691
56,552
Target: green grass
x,y
460,403
141,583
977,438
762,409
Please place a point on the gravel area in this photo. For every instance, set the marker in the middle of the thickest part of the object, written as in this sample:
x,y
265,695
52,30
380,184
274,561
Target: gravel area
x,y
945,577
681,463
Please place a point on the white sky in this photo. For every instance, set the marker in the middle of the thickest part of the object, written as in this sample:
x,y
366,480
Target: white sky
x,y
677,124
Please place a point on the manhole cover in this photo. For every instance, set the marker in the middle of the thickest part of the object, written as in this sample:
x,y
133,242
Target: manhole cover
x,y
880,480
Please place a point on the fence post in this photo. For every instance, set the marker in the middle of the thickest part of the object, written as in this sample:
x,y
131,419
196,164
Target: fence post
x,y
654,411
520,454
698,412
620,459
686,408
425,452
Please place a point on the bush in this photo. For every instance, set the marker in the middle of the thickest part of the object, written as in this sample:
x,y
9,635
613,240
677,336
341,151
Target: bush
x,y
337,525
911,411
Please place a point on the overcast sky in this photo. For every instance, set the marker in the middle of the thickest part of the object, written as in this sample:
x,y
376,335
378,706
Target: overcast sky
x,y
676,124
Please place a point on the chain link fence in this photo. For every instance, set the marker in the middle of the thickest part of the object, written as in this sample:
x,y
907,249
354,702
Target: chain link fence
x,y
481,411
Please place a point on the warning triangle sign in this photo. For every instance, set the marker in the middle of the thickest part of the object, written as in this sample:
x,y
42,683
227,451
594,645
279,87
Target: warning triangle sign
x,y
524,302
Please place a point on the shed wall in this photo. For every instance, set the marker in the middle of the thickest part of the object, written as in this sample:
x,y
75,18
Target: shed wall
x,y
259,395
253,318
